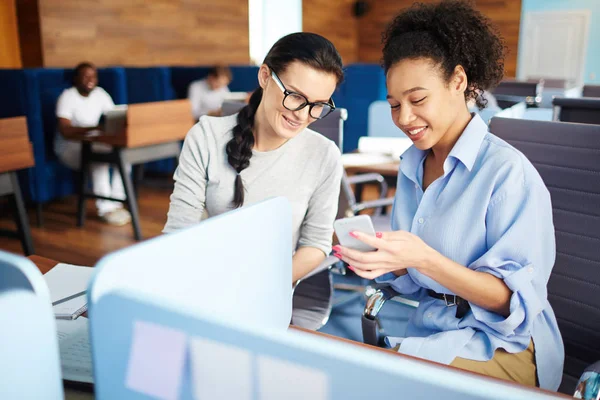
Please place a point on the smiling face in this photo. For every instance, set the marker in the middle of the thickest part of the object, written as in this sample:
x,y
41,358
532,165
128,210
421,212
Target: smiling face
x,y
86,80
315,85
424,105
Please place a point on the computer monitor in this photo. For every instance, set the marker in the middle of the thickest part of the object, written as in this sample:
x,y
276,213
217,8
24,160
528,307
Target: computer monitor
x,y
236,266
149,351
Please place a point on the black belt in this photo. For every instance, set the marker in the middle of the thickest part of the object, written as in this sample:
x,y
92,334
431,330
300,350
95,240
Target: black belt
x,y
462,306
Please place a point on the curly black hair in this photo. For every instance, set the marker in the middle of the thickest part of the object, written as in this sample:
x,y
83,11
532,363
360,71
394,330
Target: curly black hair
x,y
451,33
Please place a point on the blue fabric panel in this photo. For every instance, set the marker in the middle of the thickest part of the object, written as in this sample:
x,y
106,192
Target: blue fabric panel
x,y
181,77
146,85
245,78
17,98
363,84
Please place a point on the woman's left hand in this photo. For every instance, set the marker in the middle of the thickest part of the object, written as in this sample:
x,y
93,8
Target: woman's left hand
x,y
396,251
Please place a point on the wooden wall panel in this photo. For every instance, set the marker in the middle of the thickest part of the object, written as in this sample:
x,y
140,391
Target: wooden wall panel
x,y
144,32
10,55
29,33
335,21
506,15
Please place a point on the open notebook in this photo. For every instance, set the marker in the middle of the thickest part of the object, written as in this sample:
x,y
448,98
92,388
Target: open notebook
x,y
75,351
68,284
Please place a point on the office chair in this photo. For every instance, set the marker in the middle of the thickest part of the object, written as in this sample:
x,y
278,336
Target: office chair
x,y
583,110
313,294
591,91
29,361
567,156
510,92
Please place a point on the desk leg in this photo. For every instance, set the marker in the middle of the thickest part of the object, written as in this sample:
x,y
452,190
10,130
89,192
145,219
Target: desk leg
x,y
129,194
38,214
21,216
84,173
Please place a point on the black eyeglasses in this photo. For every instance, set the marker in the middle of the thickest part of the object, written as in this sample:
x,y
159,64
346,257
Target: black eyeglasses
x,y
294,101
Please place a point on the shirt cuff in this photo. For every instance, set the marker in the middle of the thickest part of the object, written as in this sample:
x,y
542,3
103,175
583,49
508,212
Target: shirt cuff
x,y
525,304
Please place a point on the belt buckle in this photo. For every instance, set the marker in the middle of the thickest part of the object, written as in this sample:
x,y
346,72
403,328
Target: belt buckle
x,y
449,303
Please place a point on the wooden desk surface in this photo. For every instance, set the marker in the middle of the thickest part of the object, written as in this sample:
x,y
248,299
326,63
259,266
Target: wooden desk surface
x,y
152,123
16,151
46,264
385,169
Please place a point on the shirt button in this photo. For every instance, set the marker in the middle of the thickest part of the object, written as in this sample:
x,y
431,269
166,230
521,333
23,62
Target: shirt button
x,y
530,269
429,315
421,220
416,186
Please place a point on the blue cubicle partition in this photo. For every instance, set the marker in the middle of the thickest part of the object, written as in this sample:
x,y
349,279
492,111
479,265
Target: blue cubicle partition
x,y
146,349
29,357
363,84
148,84
245,78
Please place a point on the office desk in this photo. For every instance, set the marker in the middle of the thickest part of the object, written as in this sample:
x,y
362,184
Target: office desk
x,y
153,132
46,264
388,170
16,152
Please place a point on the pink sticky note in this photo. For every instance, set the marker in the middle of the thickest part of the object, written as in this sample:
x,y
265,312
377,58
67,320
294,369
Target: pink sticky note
x,y
156,360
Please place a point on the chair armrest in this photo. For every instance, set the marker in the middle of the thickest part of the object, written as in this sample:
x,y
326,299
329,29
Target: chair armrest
x,y
378,295
365,205
364,178
327,264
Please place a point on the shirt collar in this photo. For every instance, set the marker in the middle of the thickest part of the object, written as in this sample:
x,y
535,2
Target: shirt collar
x,y
466,149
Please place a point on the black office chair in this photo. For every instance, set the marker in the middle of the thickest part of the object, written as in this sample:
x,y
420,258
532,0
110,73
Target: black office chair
x,y
567,156
511,92
591,91
583,110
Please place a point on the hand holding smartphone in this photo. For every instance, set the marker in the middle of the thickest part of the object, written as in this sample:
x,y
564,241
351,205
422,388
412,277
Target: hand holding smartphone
x,y
360,223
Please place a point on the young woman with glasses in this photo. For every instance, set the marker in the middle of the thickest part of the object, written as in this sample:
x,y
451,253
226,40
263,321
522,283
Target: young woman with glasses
x,y
266,150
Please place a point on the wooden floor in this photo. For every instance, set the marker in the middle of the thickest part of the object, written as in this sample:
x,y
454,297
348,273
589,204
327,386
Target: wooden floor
x,y
62,240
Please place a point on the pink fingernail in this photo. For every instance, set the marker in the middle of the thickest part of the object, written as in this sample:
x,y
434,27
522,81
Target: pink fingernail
x,y
337,255
336,248
353,234
351,267
379,235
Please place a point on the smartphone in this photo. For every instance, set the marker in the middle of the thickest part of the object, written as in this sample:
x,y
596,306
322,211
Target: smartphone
x,y
360,223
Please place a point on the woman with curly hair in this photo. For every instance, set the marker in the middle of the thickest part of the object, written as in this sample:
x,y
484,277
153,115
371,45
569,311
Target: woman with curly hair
x,y
473,237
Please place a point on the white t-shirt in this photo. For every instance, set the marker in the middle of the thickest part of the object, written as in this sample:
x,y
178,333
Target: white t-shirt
x,y
82,111
204,99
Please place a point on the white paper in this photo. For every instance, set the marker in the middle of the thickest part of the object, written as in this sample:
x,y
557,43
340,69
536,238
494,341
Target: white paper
x,y
220,371
65,280
75,351
279,379
156,360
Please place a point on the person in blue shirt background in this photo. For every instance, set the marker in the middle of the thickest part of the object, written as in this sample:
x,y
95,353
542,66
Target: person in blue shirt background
x,y
473,236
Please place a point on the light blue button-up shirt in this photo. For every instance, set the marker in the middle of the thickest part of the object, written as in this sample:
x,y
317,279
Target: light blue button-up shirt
x,y
490,212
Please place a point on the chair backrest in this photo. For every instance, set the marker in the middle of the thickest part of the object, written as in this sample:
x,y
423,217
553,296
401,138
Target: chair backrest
x,y
332,126
567,156
157,352
509,92
29,357
581,110
591,91
231,107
